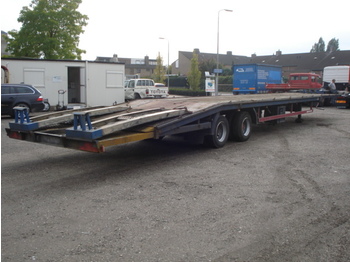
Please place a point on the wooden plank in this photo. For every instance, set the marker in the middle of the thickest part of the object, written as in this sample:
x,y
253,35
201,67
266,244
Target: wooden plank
x,y
69,116
114,118
60,113
139,120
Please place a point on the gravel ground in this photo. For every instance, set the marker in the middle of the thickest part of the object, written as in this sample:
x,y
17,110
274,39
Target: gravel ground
x,y
284,195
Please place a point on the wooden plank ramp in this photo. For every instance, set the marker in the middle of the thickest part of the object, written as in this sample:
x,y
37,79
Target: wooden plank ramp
x,y
111,125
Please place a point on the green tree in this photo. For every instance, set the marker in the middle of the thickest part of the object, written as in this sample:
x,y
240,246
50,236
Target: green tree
x,y
50,30
159,72
318,47
207,65
194,76
333,45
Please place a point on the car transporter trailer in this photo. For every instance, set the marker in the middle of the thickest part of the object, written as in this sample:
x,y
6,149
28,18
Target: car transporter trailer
x,y
216,118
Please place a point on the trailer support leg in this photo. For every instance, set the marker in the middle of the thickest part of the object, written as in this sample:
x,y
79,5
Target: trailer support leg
x,y
22,121
21,115
299,119
82,120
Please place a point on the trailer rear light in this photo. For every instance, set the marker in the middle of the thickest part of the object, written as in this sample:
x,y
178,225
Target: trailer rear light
x,y
340,101
40,99
147,91
15,135
91,147
251,88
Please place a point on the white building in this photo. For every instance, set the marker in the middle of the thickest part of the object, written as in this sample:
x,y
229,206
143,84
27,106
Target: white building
x,y
86,83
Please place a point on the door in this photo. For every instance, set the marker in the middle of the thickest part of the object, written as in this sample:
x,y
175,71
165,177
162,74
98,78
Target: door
x,y
74,85
129,89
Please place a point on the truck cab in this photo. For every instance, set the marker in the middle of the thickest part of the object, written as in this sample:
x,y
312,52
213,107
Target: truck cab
x,y
341,75
307,80
302,82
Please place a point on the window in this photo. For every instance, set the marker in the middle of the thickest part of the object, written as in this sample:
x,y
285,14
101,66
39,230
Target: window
x,y
113,78
34,76
294,77
304,78
23,90
141,83
6,90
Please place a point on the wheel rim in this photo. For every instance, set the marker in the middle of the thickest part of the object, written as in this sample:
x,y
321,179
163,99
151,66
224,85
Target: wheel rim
x,y
246,127
221,132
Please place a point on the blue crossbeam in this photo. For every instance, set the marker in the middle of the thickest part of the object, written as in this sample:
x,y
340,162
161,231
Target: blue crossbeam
x,y
82,120
82,128
22,120
84,135
21,115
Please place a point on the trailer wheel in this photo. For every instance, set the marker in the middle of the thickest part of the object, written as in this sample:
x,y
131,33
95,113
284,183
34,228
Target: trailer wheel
x,y
241,126
221,133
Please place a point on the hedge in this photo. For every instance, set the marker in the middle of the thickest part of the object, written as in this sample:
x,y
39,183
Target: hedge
x,y
186,92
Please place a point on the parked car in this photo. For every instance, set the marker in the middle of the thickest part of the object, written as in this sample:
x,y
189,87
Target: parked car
x,y
144,88
13,95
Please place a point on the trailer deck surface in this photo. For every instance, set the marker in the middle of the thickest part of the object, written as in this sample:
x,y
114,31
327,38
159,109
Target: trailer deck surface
x,y
195,104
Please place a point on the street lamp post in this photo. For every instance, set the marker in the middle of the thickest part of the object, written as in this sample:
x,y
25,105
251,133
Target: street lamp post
x,y
168,58
217,53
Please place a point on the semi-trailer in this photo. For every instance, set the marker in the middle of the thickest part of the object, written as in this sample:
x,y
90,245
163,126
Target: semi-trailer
x,y
252,78
216,119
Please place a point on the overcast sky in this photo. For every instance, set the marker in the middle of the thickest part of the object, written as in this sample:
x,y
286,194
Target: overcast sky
x,y
132,28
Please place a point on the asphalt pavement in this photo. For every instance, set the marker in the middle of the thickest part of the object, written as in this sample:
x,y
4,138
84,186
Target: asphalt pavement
x,y
284,195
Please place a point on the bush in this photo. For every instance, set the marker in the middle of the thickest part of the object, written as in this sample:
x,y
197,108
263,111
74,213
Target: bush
x,y
186,92
225,88
225,80
178,81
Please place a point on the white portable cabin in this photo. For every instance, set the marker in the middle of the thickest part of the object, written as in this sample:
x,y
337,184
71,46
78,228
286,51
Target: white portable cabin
x,y
83,83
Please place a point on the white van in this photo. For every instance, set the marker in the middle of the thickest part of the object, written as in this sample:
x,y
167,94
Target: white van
x,y
144,88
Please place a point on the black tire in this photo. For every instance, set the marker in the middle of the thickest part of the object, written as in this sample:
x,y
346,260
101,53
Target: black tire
x,y
137,96
220,135
241,126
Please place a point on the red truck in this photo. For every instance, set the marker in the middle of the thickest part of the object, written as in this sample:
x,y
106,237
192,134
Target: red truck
x,y
298,81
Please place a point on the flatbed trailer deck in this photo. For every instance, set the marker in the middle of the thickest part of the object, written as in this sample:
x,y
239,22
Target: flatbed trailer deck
x,y
216,118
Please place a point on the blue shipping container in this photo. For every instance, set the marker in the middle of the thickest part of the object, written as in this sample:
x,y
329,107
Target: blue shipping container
x,y
251,78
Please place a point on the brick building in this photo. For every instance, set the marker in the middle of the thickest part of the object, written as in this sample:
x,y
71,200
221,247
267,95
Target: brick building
x,y
291,63
142,67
